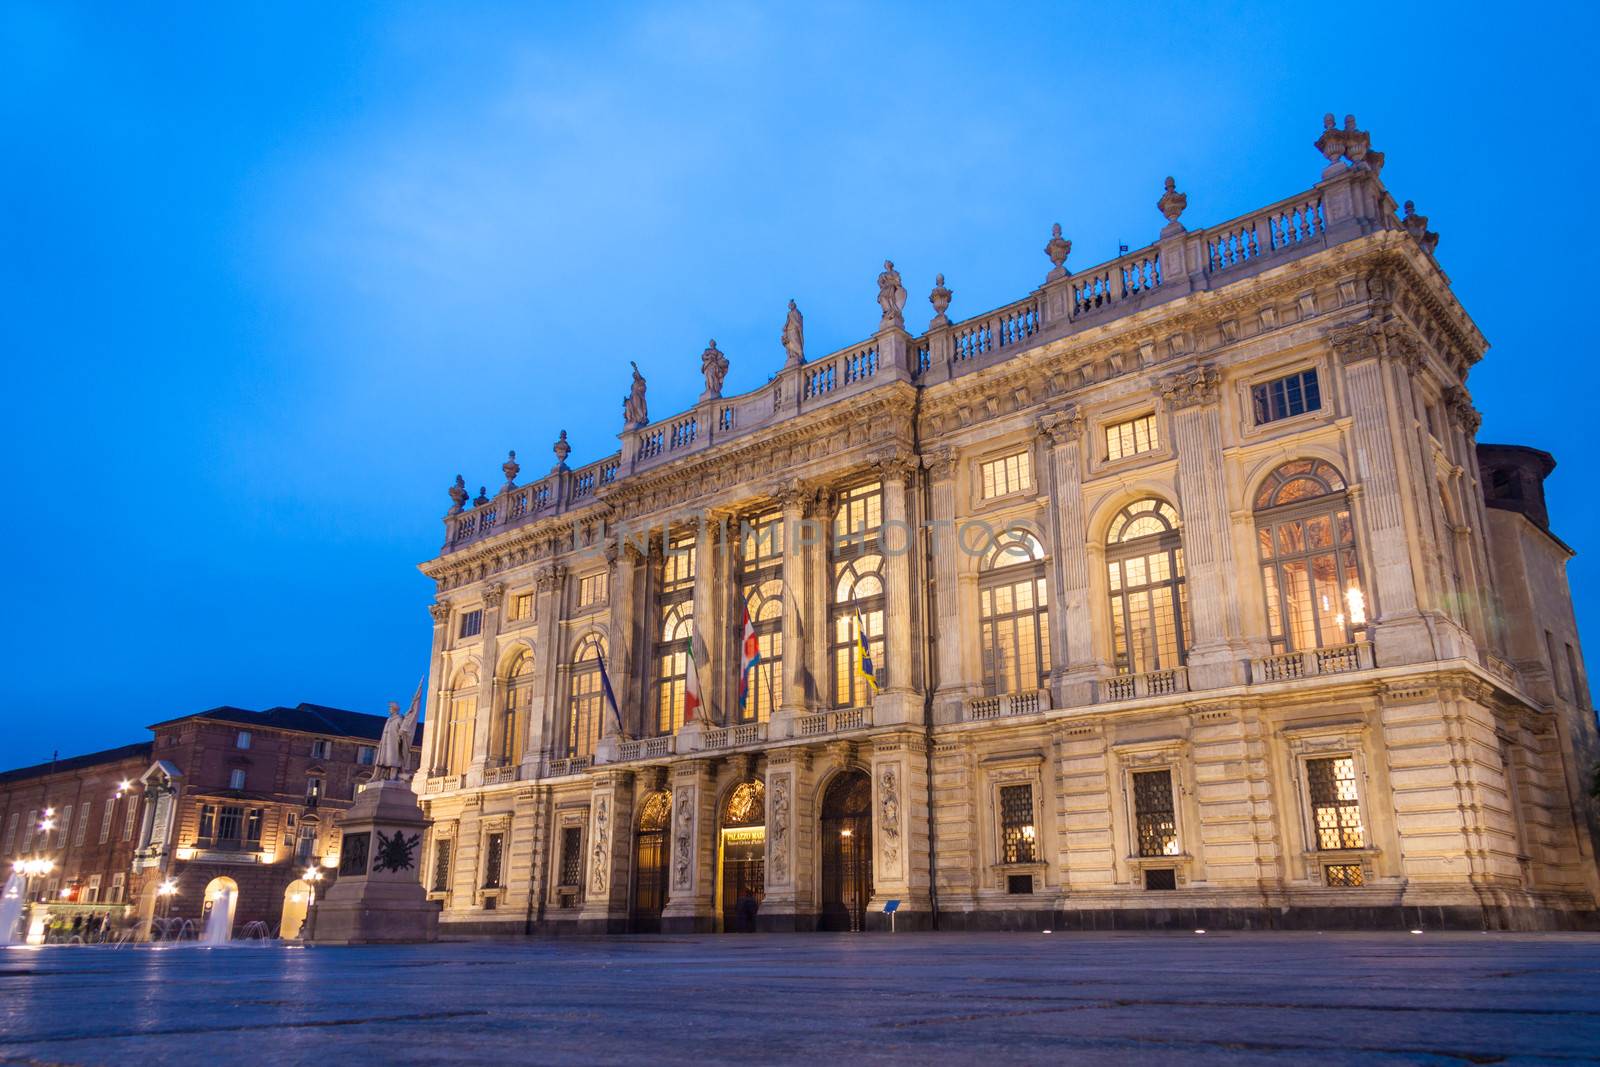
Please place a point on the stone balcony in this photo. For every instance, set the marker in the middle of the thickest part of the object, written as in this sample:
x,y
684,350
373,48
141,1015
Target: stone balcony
x,y
1287,666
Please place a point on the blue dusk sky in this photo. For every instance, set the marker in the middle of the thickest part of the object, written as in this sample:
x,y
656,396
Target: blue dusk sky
x,y
274,274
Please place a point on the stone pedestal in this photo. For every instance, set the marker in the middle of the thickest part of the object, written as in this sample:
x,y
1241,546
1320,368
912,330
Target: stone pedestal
x,y
379,895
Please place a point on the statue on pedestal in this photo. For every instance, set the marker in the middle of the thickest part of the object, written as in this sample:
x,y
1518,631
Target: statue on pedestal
x,y
891,296
794,338
393,758
634,412
714,365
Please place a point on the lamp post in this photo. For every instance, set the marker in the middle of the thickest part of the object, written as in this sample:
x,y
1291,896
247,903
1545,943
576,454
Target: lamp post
x,y
312,876
166,891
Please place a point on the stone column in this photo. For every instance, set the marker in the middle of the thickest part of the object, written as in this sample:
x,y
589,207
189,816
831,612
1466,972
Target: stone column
x,y
550,586
1399,633
790,903
817,599
900,830
607,871
954,680
710,581
791,683
1072,626
435,710
1219,655
896,702
625,561
483,730
691,879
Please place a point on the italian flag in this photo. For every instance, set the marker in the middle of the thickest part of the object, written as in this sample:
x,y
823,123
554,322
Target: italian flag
x,y
691,701
749,657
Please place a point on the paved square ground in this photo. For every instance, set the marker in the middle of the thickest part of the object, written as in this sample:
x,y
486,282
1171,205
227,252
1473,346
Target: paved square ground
x,y
831,999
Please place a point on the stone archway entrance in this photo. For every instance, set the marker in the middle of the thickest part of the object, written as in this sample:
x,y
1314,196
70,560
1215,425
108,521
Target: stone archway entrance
x,y
652,853
846,851
296,899
222,893
742,855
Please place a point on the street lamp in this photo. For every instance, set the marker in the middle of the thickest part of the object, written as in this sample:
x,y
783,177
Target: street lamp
x,y
312,876
166,891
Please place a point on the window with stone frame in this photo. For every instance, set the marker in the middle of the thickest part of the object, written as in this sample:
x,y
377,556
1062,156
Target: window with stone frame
x,y
1018,834
1154,814
1335,803
521,607
107,815
857,600
132,813
471,624
1013,614
119,885
29,825
674,629
455,740
441,865
230,826
91,892
1149,598
761,585
1130,437
206,831
64,826
493,856
1282,398
11,830
83,826
571,857
1006,475
1306,546
516,705
586,706
592,589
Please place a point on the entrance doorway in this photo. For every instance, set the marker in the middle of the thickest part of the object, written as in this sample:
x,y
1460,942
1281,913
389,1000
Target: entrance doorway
x,y
846,851
220,893
742,855
651,854
296,900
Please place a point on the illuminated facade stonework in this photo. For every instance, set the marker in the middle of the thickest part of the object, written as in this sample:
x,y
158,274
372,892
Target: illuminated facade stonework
x,y
1178,578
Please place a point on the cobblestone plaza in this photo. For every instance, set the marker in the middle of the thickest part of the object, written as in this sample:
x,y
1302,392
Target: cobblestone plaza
x,y
1015,998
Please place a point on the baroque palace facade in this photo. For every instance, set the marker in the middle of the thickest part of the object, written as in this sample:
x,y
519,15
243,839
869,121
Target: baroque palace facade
x,y
1185,600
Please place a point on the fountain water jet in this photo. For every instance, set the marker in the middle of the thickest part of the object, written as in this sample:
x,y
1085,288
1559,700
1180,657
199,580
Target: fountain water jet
x,y
219,924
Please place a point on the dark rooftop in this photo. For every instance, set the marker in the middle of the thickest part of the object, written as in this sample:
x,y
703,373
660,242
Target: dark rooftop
x,y
141,750
303,718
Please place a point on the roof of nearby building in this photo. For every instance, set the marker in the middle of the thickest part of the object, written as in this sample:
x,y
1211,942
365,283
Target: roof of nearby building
x,y
302,718
140,750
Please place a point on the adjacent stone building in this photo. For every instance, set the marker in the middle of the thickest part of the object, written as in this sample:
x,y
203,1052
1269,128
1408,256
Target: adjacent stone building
x,y
1176,576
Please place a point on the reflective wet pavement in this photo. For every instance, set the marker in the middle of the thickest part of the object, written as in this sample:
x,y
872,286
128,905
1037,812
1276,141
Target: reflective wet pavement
x,y
1005,998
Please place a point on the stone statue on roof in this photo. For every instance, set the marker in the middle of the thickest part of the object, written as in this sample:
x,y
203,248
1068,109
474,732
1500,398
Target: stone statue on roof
x,y
714,365
634,412
794,337
891,295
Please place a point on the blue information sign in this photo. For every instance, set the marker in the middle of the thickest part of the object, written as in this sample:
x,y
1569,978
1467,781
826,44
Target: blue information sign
x,y
891,906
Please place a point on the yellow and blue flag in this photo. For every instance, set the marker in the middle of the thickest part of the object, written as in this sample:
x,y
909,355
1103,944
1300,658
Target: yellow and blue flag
x,y
863,655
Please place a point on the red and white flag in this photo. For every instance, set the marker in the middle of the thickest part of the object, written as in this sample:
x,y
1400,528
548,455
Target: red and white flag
x,y
691,701
749,657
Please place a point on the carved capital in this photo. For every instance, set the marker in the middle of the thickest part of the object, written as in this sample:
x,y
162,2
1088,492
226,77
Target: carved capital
x,y
1352,344
440,613
1064,426
493,594
1191,388
1459,403
940,462
550,577
893,467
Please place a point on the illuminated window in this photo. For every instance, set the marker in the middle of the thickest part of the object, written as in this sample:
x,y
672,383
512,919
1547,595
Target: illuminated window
x,y
592,590
119,884
674,627
1131,437
455,740
857,592
91,893
1306,543
1018,836
441,865
585,699
761,585
493,853
1343,874
1335,808
522,607
517,703
1013,614
1285,397
1154,814
1149,597
313,788
471,623
1008,474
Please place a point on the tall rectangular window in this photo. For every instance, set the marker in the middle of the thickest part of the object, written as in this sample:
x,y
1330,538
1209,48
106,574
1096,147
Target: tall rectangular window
x,y
1018,836
493,852
521,607
571,855
230,826
91,893
674,627
119,884
1131,436
1335,807
305,843
29,827
105,821
441,865
236,779
471,623
252,828
319,749
207,832
64,827
1008,474
1153,811
11,830
242,739
1294,394
132,810
365,755
857,601
83,825
762,588
313,788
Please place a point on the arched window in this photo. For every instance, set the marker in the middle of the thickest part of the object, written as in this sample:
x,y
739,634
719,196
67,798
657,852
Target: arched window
x,y
1149,598
513,732
455,749
675,623
1013,618
761,585
858,600
1307,546
585,700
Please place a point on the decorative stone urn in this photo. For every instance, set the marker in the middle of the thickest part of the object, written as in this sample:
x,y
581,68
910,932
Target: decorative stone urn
x,y
379,895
